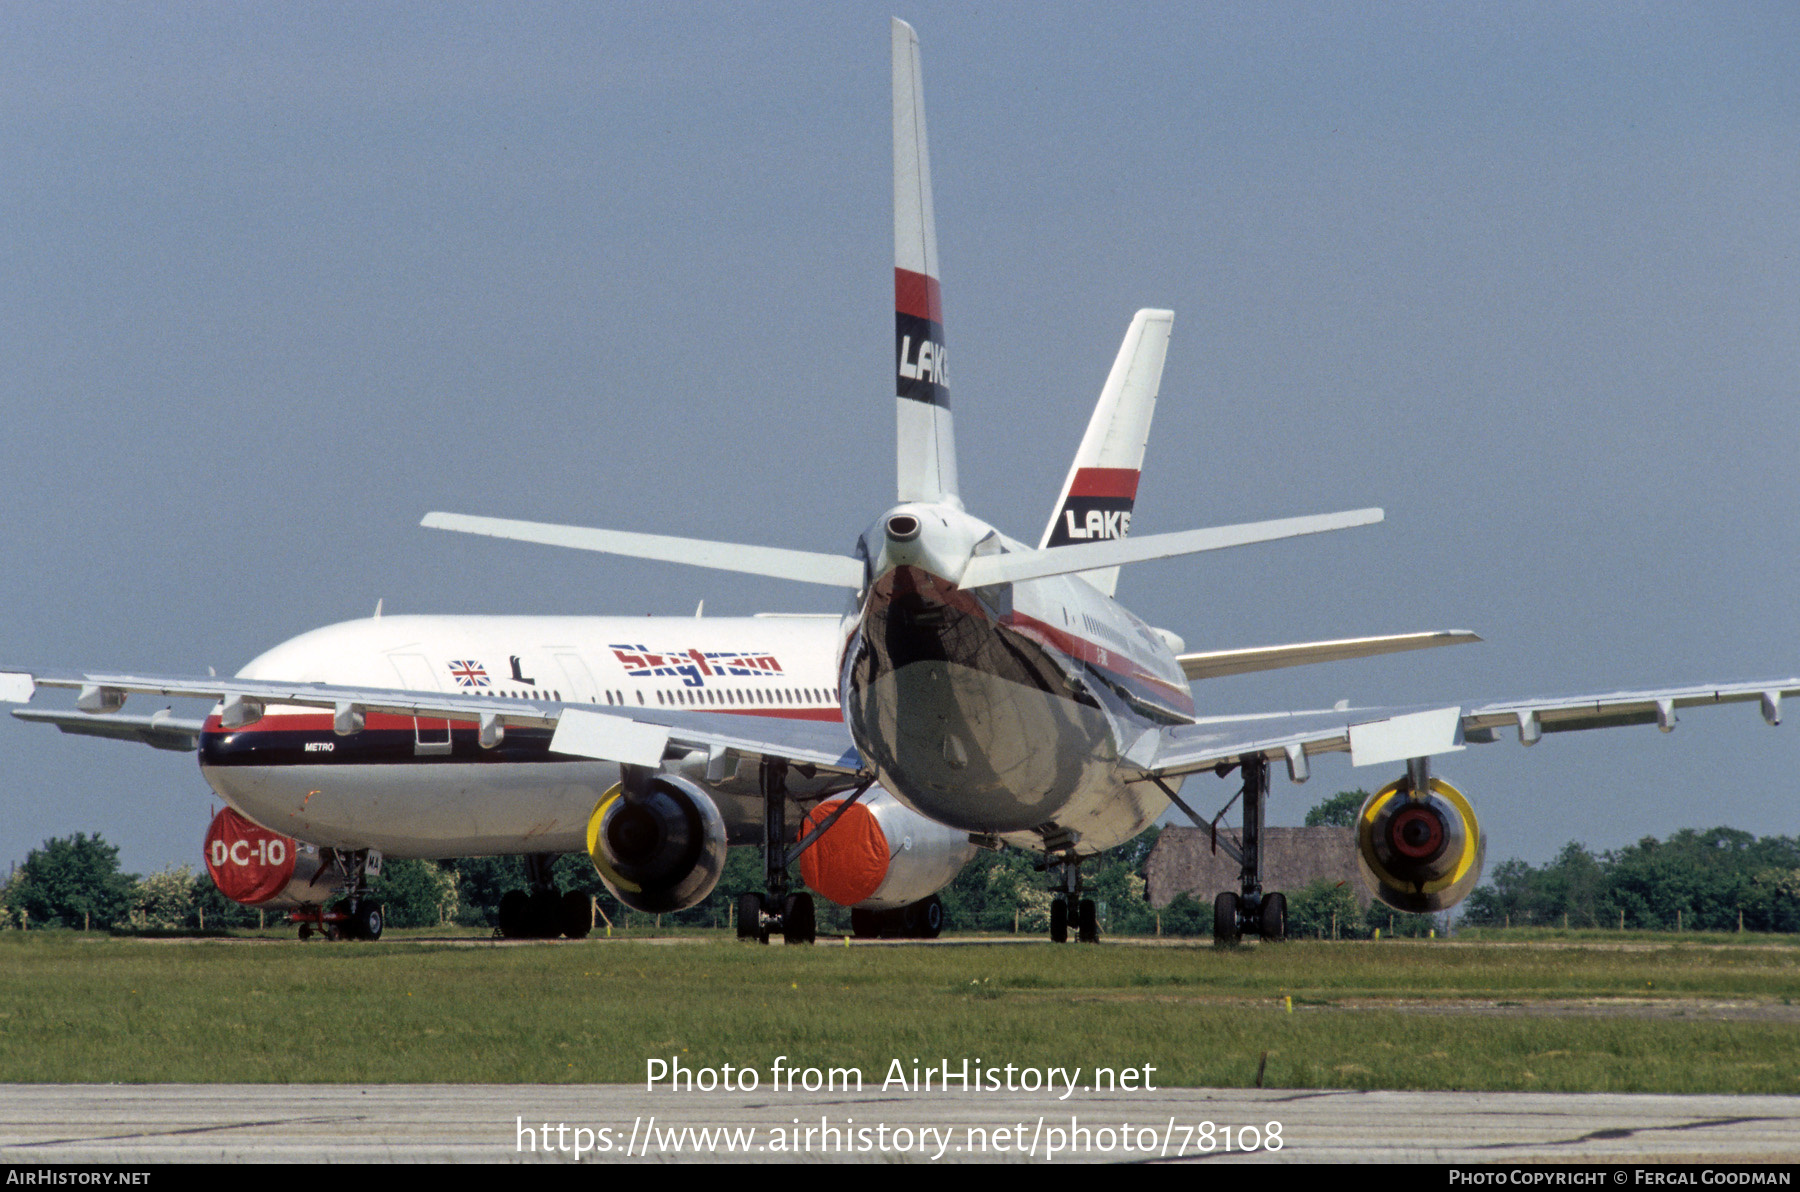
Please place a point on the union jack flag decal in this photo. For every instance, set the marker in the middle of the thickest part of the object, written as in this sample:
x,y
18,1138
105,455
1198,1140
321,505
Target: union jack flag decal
x,y
468,674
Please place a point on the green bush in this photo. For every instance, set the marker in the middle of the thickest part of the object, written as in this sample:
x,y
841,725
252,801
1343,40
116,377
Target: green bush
x,y
73,881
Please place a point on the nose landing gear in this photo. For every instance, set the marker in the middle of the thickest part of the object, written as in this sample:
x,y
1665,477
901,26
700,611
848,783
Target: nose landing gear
x,y
355,916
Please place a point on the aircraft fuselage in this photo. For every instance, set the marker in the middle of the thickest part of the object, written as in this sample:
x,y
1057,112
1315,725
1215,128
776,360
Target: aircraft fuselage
x,y
1005,710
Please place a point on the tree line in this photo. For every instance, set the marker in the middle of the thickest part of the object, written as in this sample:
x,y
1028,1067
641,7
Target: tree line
x,y
1697,880
1719,879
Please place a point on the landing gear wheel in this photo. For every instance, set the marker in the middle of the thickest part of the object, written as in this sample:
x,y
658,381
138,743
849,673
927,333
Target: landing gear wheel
x,y
798,924
865,924
577,915
1059,921
366,921
1271,917
515,914
925,918
1087,927
750,918
1225,919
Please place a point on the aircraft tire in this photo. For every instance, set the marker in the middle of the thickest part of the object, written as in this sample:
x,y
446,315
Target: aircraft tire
x,y
366,921
1271,917
577,915
1225,919
1087,927
921,920
799,923
750,911
931,917
515,914
1059,921
865,924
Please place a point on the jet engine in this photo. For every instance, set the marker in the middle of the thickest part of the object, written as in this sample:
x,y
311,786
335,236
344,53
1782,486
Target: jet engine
x,y
256,867
659,851
1419,853
881,855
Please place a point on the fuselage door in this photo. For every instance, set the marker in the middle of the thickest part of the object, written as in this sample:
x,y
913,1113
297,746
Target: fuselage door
x,y
430,735
581,680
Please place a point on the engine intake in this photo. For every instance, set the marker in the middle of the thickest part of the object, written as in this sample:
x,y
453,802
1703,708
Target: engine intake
x,y
660,851
1419,853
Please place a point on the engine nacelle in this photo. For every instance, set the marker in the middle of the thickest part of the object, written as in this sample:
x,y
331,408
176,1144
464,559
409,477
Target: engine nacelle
x,y
1419,854
256,867
880,854
661,852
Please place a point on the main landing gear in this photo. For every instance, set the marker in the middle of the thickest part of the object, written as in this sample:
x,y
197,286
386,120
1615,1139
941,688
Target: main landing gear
x,y
355,916
1068,908
1249,910
780,911
543,913
921,920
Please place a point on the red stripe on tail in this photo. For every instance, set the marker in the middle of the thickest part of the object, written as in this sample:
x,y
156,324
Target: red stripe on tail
x,y
1105,482
918,296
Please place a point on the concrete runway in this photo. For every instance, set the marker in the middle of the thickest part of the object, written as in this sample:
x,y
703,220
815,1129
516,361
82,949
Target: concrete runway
x,y
68,1124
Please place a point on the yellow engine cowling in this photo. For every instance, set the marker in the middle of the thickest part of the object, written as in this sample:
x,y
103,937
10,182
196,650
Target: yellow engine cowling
x,y
1419,853
663,851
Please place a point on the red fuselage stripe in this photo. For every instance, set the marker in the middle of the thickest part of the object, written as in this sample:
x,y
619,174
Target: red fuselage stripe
x,y
320,722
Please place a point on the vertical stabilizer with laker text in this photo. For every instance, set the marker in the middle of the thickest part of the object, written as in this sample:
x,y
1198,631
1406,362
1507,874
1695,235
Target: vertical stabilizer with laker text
x,y
926,440
1097,497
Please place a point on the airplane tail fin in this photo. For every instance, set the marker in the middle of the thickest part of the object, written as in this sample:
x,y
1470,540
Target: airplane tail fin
x,y
926,440
1101,489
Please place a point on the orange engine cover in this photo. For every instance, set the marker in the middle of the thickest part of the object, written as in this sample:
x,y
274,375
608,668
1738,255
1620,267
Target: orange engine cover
x,y
249,863
848,863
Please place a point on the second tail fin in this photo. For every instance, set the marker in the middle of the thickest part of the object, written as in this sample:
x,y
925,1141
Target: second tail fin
x,y
1101,489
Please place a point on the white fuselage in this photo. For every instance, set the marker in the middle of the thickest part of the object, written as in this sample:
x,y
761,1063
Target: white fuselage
x,y
422,787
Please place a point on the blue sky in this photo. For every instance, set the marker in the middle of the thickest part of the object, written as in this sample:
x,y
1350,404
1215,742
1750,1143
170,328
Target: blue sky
x,y
281,278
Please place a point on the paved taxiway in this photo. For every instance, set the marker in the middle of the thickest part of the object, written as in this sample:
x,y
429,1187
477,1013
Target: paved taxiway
x,y
315,1123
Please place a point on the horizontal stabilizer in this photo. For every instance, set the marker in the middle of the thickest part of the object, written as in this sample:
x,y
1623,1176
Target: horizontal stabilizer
x,y
1214,664
984,570
806,567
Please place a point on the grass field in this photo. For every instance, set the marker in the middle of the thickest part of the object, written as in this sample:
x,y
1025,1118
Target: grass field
x,y
1581,1012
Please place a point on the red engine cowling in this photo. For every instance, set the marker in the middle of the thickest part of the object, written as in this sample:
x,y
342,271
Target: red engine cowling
x,y
257,867
1419,853
880,854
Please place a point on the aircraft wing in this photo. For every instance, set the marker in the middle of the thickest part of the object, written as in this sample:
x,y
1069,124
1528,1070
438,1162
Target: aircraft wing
x,y
1374,736
159,730
634,736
